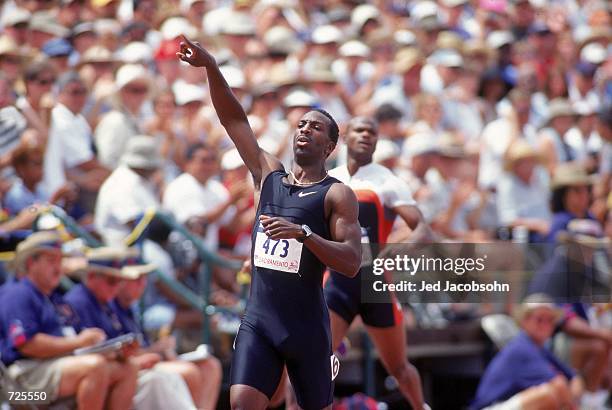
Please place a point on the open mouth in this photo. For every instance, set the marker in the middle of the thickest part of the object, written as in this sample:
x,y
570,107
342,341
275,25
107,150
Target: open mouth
x,y
302,141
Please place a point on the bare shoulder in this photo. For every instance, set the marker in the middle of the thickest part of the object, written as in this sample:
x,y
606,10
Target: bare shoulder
x,y
340,198
269,163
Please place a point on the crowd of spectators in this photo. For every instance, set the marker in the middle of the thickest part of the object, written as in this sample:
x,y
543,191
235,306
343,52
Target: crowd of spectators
x,y
497,113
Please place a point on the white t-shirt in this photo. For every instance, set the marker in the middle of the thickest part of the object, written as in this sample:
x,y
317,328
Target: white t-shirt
x,y
122,198
70,144
495,140
390,189
185,197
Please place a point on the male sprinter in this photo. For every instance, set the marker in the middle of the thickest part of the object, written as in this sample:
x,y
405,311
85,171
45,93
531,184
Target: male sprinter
x,y
382,196
307,220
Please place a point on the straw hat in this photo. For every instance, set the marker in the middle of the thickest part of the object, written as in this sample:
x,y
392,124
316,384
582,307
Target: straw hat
x,y
449,146
406,58
533,302
134,267
520,149
106,260
571,175
8,46
96,54
559,107
37,242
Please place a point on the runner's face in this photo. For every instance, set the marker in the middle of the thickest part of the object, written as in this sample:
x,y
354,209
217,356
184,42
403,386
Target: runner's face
x,y
311,139
361,138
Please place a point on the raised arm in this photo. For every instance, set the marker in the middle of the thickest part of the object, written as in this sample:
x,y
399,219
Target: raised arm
x,y
230,112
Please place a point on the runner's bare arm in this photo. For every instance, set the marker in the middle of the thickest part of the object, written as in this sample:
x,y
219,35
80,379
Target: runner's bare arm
x,y
343,252
419,230
230,112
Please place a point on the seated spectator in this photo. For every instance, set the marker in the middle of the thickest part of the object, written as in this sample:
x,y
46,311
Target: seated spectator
x,y
587,349
12,123
90,301
203,377
522,192
37,349
198,199
524,374
38,80
69,154
552,144
570,198
27,189
118,126
128,192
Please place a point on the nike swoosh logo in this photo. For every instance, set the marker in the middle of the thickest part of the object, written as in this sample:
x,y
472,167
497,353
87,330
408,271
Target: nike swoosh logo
x,y
303,194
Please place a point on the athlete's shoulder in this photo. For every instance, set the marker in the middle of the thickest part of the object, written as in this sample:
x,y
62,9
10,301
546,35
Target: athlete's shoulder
x,y
339,192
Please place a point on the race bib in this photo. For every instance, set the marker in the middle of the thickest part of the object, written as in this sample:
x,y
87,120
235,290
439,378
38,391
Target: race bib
x,y
277,254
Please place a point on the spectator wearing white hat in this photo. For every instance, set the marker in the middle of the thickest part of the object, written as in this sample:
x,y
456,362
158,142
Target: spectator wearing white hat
x,y
365,19
128,191
203,377
323,47
15,24
190,123
11,59
38,80
163,126
442,69
551,138
401,88
353,68
523,191
12,124
69,155
236,31
499,134
458,19
198,199
450,200
582,137
582,86
132,86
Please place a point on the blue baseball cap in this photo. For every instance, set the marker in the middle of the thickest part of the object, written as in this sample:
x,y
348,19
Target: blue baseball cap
x,y
57,47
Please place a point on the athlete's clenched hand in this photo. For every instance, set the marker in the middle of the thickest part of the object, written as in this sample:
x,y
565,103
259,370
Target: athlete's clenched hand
x,y
193,53
279,228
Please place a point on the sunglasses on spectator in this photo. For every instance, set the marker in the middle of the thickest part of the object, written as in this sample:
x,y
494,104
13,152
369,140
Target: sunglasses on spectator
x,y
45,81
111,280
208,158
77,91
137,90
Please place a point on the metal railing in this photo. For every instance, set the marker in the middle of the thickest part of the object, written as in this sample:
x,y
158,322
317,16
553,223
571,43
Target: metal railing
x,y
209,259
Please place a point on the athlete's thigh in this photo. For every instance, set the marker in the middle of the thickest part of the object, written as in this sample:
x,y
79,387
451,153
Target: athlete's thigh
x,y
311,379
255,362
243,397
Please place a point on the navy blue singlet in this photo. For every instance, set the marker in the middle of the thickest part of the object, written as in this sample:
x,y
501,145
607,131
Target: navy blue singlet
x,y
286,321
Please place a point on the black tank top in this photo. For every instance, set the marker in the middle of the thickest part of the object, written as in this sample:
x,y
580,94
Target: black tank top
x,y
279,297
